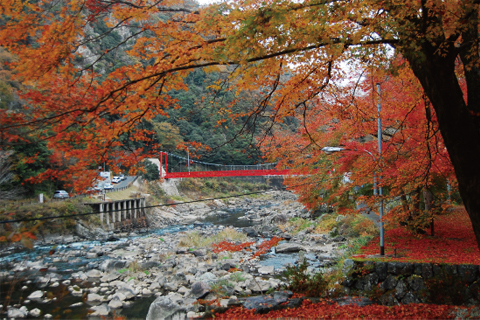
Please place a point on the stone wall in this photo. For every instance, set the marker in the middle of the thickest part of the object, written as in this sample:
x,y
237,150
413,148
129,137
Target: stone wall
x,y
391,283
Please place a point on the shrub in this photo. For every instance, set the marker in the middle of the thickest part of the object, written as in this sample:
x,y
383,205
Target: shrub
x,y
196,240
301,282
156,191
237,276
221,287
326,223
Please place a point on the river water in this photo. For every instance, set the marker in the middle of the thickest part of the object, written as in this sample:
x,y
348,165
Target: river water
x,y
11,291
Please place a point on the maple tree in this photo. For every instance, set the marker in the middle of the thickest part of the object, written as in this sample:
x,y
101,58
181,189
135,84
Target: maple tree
x,y
414,164
290,51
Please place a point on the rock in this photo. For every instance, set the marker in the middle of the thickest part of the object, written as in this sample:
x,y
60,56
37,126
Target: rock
x,y
109,265
227,266
389,283
17,313
87,233
48,316
264,304
289,247
36,295
468,272
94,290
199,252
149,265
266,270
77,304
43,281
94,273
120,296
348,266
349,301
199,290
99,311
146,292
76,291
164,308
381,270
400,268
410,298
112,276
35,313
171,286
400,289
115,303
194,315
207,277
250,232
339,239
93,297
80,275
127,290
259,285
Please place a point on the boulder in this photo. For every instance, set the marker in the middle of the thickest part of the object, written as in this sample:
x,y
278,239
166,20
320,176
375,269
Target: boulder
x,y
259,285
263,304
94,273
199,290
207,277
109,265
115,303
36,295
112,276
17,313
289,247
250,232
164,308
100,311
127,290
35,313
93,297
266,270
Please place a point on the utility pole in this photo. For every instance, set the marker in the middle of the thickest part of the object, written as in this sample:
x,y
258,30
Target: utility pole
x,y
380,188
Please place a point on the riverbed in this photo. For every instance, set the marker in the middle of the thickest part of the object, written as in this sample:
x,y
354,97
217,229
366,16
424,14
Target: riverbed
x,y
74,277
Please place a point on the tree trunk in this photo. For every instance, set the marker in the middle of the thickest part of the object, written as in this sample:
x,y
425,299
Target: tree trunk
x,y
457,125
428,200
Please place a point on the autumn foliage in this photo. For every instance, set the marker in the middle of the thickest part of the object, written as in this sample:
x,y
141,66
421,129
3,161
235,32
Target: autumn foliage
x,y
262,248
454,242
414,161
331,310
310,63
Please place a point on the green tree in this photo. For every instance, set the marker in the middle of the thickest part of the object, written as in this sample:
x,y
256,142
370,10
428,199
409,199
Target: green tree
x,y
151,172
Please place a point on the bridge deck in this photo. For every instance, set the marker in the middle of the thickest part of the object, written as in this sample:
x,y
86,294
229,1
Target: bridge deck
x,y
225,173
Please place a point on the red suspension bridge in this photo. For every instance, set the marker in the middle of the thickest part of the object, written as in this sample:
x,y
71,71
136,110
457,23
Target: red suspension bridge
x,y
220,170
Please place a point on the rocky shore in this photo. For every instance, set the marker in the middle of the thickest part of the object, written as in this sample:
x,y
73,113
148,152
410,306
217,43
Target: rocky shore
x,y
123,270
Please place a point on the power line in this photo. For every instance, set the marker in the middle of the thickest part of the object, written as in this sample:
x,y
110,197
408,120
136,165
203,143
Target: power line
x,y
146,207
159,205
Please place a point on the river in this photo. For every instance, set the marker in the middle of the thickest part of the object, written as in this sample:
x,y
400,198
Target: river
x,y
24,271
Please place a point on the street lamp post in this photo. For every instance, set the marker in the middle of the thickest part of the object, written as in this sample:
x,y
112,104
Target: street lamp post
x,y
376,180
380,188
376,185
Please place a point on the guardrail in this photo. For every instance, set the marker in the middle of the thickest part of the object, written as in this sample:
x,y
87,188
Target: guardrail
x,y
122,188
35,201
